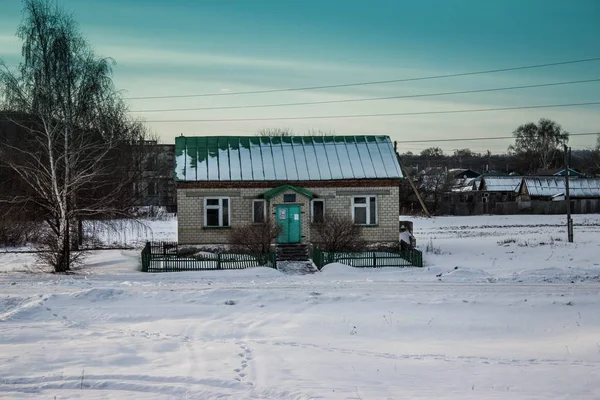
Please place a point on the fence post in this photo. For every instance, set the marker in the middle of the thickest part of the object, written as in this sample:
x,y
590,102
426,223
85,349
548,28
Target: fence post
x,y
146,254
318,258
218,260
374,260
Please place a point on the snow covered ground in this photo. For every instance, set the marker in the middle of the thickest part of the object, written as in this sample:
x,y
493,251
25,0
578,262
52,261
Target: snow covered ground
x,y
503,309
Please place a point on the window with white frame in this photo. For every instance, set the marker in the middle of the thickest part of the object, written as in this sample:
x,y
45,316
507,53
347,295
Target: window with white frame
x,y
318,210
258,211
364,210
216,212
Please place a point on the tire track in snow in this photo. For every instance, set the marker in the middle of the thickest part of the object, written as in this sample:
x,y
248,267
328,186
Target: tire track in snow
x,y
177,386
439,357
121,383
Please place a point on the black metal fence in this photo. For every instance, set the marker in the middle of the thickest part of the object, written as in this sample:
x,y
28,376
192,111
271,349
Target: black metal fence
x,y
167,257
370,259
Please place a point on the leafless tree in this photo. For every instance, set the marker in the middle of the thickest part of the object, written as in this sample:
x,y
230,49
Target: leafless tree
x,y
254,239
320,132
539,144
276,132
338,233
433,184
283,132
74,129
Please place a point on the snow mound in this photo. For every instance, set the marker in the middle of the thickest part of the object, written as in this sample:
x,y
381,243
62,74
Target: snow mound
x,y
335,269
340,269
19,308
100,294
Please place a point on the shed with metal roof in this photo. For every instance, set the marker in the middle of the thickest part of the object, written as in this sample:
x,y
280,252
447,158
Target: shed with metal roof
x,y
555,186
500,183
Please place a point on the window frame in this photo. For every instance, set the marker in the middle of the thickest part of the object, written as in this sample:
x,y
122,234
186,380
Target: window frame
x,y
217,207
367,206
312,209
264,211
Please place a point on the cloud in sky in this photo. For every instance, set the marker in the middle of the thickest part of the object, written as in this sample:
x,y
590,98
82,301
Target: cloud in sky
x,y
185,47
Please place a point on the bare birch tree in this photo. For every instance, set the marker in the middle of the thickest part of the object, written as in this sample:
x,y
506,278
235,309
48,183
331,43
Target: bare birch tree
x,y
74,127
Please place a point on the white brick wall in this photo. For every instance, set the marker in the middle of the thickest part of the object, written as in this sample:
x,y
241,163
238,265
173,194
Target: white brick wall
x,y
337,200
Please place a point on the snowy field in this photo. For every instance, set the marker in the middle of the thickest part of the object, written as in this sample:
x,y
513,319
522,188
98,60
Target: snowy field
x,y
504,308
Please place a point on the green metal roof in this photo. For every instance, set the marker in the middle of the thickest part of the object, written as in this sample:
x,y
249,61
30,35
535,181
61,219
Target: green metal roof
x,y
294,158
269,194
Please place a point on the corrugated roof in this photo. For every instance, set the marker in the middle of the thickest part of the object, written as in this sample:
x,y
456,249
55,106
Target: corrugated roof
x,y
294,158
550,186
501,183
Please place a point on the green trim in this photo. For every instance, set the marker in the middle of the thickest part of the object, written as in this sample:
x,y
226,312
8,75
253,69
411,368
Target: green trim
x,y
269,194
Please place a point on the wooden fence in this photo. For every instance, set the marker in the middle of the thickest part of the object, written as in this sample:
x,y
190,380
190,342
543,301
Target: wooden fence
x,y
166,257
370,259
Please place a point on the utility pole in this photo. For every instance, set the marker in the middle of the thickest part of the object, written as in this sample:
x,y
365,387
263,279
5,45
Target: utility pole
x,y
567,194
412,185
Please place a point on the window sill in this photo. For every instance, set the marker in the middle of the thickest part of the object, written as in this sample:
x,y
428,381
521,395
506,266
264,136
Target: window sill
x,y
216,227
368,225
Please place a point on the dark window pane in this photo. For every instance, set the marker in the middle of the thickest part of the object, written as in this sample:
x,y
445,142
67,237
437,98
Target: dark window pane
x,y
360,215
151,188
289,198
318,211
259,215
212,202
212,217
360,200
373,210
225,212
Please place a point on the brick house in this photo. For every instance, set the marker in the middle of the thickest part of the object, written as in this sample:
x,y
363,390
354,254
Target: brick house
x,y
224,182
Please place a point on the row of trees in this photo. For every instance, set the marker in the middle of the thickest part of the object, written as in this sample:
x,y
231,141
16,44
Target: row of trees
x,y
65,133
537,147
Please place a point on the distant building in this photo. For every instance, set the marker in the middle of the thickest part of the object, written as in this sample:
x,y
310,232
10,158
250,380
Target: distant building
x,y
156,184
554,188
559,172
499,188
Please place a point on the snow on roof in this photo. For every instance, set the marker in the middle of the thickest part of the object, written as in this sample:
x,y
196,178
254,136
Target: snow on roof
x,y
294,158
551,186
501,183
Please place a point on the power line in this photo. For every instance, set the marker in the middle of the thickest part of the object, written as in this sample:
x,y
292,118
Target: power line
x,y
489,71
371,98
378,115
482,138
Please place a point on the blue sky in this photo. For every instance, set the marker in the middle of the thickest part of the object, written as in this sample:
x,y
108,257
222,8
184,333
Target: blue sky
x,y
206,46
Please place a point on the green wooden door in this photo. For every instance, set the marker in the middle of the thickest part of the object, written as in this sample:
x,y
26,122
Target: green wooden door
x,y
288,217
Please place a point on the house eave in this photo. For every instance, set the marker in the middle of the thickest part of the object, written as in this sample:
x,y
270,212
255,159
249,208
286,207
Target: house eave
x,y
371,182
